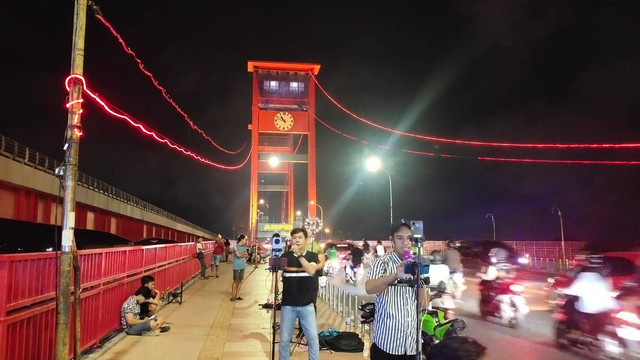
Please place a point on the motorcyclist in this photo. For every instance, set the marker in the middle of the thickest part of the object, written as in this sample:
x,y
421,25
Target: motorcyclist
x,y
452,259
591,298
494,274
354,265
438,271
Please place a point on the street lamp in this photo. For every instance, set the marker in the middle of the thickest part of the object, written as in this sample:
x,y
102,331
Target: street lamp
x,y
554,210
374,164
321,211
493,222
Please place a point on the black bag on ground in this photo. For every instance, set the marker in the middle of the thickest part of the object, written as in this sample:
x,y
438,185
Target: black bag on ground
x,y
346,341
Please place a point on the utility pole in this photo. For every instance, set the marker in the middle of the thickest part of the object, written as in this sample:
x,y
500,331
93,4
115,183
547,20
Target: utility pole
x,y
71,146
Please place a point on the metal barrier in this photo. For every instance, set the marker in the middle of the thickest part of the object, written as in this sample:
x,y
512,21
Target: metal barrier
x,y
345,303
108,277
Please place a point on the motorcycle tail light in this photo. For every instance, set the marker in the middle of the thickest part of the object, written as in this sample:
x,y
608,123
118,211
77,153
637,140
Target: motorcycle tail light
x,y
516,288
628,317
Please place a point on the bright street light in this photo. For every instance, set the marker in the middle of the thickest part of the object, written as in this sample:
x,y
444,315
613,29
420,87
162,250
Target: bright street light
x,y
374,164
274,161
321,211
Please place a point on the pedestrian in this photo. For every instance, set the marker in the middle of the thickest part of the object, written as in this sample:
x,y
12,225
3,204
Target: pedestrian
x,y
130,316
366,248
218,252
394,324
227,250
379,249
200,256
150,307
299,292
240,255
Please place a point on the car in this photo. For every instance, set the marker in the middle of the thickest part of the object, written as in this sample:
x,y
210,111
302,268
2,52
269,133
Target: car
x,y
623,266
343,247
476,254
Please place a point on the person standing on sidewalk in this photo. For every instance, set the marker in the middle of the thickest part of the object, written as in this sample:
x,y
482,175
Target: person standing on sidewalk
x,y
227,250
240,255
299,292
218,252
200,256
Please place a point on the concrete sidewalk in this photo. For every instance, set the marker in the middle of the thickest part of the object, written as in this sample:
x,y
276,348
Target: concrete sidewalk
x,y
209,326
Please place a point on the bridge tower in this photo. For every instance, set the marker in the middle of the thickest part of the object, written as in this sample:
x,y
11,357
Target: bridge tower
x,y
282,115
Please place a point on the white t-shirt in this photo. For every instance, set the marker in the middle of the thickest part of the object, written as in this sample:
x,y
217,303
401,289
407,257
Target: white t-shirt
x,y
438,273
380,249
594,293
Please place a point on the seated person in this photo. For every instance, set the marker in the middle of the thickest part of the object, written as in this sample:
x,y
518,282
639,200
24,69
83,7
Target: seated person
x,y
130,316
150,307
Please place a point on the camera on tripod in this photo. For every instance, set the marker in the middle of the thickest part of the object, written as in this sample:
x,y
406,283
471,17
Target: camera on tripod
x,y
277,244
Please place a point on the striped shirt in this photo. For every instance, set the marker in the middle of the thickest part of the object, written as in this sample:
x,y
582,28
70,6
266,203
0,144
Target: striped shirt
x,y
394,323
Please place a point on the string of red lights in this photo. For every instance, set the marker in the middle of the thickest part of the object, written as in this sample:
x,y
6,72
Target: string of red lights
x,y
467,142
128,50
485,158
157,136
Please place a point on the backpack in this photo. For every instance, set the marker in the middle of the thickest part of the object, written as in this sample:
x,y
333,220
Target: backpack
x,y
346,341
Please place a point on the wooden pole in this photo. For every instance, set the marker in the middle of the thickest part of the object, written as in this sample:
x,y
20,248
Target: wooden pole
x,y
72,142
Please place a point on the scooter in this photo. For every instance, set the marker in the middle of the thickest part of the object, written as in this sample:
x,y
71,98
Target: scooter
x,y
609,335
502,299
352,273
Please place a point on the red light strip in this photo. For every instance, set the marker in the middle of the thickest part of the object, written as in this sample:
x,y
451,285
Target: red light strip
x,y
157,85
468,142
416,152
298,147
155,135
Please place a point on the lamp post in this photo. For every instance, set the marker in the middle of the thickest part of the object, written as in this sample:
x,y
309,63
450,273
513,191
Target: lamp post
x,y
374,164
554,210
321,214
493,222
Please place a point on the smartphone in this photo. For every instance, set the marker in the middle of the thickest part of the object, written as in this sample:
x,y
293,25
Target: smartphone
x,y
417,229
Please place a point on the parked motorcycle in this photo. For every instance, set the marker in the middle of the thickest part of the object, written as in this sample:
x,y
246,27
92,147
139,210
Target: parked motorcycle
x,y
502,299
438,322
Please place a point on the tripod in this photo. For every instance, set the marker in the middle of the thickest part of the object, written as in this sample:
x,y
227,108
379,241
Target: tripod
x,y
275,265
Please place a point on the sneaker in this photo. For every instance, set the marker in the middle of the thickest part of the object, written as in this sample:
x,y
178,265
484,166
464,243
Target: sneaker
x,y
151,333
165,328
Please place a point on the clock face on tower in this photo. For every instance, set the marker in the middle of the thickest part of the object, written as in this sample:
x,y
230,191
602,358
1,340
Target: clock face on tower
x,y
283,120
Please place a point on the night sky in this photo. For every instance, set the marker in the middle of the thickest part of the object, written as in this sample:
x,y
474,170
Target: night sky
x,y
493,71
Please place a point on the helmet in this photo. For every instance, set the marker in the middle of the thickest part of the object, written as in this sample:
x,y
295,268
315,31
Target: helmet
x,y
436,257
368,311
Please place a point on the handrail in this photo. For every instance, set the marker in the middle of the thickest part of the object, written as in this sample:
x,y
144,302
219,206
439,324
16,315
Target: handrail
x,y
22,154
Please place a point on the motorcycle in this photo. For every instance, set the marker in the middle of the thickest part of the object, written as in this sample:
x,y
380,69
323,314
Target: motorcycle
x,y
456,285
438,322
352,273
503,300
609,335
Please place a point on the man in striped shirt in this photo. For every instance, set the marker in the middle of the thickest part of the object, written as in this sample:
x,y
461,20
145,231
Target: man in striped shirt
x,y
299,292
395,332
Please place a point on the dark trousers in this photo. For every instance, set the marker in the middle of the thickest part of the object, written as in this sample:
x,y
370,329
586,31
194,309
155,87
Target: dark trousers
x,y
375,353
203,267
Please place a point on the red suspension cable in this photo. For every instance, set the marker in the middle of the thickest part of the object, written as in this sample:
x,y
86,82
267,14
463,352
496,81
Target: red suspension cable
x,y
128,50
158,137
485,158
468,142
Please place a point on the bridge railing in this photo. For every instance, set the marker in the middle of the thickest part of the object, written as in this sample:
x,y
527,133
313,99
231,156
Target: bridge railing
x,y
27,156
108,277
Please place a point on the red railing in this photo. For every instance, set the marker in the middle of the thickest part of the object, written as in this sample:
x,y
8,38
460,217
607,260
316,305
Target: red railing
x,y
28,284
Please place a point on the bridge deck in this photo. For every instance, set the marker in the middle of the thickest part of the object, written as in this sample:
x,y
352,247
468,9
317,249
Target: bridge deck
x,y
209,326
